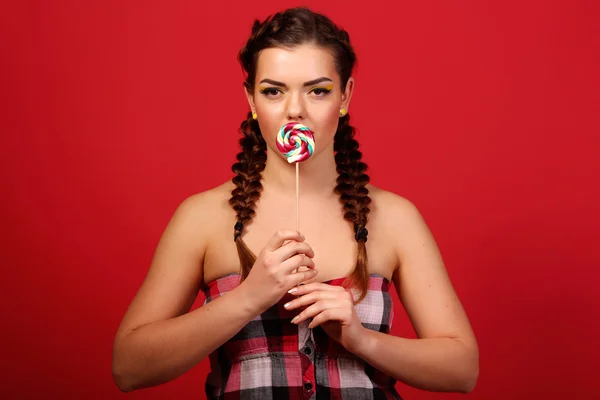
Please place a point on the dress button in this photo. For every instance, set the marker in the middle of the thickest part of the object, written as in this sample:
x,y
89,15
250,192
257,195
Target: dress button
x,y
308,386
307,351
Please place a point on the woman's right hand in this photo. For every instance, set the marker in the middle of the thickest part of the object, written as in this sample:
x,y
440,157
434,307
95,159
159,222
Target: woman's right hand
x,y
273,272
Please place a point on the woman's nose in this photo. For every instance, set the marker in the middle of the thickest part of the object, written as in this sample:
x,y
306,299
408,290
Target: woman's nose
x,y
295,108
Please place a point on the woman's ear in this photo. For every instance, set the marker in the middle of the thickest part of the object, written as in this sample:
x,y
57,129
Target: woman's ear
x,y
249,97
347,94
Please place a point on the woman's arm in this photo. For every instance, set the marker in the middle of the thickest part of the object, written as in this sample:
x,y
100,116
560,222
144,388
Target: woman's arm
x,y
163,350
442,364
445,357
159,339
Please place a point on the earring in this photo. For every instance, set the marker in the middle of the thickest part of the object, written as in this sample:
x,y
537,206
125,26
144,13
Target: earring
x,y
254,115
343,111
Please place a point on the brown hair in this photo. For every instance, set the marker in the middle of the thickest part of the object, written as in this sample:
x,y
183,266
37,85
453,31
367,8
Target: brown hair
x,y
287,29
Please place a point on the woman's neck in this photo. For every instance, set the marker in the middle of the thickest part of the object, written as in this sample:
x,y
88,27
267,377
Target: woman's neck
x,y
318,175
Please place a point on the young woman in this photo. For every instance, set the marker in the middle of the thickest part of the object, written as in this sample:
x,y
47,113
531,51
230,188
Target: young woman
x,y
297,314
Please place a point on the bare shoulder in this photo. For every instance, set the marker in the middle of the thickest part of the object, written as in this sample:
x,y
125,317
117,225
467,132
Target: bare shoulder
x,y
392,210
197,218
386,199
175,274
209,203
404,227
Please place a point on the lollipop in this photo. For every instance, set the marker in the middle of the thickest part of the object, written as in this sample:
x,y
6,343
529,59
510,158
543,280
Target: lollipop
x,y
296,142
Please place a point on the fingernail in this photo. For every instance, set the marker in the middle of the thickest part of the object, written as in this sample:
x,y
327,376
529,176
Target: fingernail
x,y
291,291
295,319
286,305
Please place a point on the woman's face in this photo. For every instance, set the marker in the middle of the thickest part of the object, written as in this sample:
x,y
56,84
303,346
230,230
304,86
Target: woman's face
x,y
298,85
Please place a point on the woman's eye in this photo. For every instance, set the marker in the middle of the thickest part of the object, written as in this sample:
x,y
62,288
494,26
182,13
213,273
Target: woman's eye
x,y
321,91
270,91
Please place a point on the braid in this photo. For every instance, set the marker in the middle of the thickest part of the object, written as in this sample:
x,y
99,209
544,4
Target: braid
x,y
250,163
354,195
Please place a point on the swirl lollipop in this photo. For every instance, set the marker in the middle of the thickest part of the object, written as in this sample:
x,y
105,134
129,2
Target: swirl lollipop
x,y
296,142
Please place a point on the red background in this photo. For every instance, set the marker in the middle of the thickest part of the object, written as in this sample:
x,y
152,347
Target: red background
x,y
484,114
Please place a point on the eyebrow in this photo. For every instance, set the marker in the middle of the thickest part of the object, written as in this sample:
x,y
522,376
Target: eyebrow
x,y
309,83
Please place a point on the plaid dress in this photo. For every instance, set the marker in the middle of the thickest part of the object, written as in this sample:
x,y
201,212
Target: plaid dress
x,y
273,359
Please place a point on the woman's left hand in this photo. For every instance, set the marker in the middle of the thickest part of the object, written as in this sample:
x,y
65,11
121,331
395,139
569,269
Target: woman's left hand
x,y
331,307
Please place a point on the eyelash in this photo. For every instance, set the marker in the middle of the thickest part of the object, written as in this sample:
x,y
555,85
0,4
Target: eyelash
x,y
273,91
324,90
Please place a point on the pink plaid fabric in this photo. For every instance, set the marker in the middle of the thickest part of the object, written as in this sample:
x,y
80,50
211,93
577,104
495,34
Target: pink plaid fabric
x,y
271,358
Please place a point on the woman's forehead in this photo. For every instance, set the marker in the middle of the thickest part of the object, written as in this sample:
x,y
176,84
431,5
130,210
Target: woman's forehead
x,y
295,65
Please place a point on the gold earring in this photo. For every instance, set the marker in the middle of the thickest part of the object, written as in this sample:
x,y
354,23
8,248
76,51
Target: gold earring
x,y
254,115
343,111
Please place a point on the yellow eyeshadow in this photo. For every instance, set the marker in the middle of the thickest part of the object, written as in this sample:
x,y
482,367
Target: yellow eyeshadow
x,y
328,87
263,89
